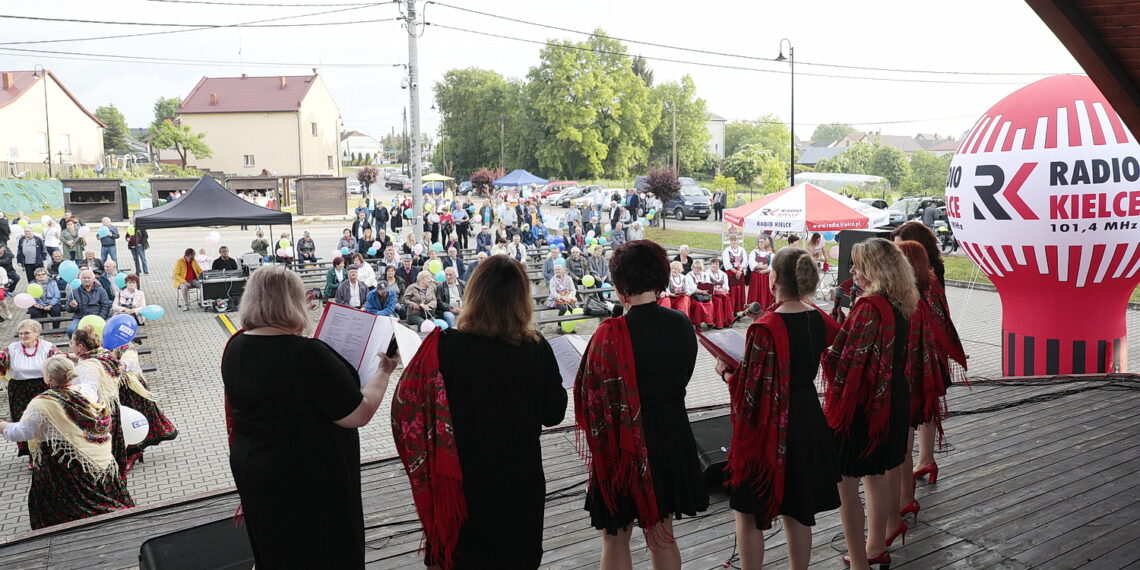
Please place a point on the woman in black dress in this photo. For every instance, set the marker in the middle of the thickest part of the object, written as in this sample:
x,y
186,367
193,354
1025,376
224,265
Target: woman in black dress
x,y
500,386
791,471
867,396
653,351
295,453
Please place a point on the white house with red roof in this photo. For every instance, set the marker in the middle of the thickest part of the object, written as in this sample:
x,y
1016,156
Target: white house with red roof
x,y
288,125
76,134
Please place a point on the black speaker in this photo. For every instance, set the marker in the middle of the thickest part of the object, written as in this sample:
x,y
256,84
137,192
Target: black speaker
x,y
713,436
220,544
847,239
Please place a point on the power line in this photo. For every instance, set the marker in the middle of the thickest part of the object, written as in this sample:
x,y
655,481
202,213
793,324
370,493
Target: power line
x,y
725,54
209,27
724,66
117,58
273,5
172,25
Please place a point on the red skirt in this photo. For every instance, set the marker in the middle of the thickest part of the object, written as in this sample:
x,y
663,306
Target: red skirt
x,y
722,310
702,313
680,303
759,290
737,290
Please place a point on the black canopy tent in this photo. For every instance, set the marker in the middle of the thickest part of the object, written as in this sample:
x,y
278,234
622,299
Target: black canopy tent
x,y
208,203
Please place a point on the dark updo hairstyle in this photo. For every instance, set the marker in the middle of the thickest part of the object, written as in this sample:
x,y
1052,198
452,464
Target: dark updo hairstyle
x,y
917,231
796,273
86,337
639,266
189,251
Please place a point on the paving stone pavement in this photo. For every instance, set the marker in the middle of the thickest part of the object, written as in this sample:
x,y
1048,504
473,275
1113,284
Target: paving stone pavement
x,y
187,350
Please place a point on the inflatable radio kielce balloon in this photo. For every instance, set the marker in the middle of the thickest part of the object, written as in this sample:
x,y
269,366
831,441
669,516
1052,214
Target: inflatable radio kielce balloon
x,y
135,425
1043,196
119,330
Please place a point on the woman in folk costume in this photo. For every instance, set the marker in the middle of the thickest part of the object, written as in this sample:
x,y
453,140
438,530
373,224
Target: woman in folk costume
x,y
477,478
734,261
22,363
937,344
782,457
759,266
74,475
134,394
97,376
701,311
723,315
629,405
677,290
867,396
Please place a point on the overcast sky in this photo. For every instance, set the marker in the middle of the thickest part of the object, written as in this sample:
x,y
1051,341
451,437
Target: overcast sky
x,y
975,36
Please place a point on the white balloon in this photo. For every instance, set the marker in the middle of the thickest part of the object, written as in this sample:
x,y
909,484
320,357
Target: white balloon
x,y
135,425
427,326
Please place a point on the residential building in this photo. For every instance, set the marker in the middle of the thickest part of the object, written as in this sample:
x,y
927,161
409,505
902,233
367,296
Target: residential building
x,y
810,156
903,143
356,143
715,126
943,148
927,140
288,125
76,134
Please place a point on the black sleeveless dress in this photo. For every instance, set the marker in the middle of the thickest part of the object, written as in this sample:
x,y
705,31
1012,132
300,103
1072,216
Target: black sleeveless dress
x,y
892,451
665,354
810,470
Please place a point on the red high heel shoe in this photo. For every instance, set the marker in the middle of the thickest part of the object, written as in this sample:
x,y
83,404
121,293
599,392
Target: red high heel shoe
x,y
883,561
930,469
913,507
900,531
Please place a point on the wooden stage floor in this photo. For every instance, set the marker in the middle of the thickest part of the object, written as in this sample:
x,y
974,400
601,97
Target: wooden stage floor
x,y
1049,482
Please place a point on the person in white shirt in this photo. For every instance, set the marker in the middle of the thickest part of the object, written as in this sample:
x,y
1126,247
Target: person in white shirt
x,y
701,306
351,292
735,263
723,315
563,294
759,262
677,292
364,271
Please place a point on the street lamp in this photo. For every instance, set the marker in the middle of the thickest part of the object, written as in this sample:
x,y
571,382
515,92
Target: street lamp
x,y
791,59
39,70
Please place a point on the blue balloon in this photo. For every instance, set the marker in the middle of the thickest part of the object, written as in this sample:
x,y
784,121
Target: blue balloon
x,y
439,276
602,241
152,312
560,261
442,324
371,251
344,250
75,284
103,232
68,270
121,280
437,246
119,330
829,236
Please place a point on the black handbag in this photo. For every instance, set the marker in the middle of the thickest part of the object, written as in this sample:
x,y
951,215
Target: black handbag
x,y
702,297
595,307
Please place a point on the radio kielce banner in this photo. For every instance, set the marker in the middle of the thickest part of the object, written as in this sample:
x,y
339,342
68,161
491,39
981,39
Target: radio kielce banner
x,y
1044,196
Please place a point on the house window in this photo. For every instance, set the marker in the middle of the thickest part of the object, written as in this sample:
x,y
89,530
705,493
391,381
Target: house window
x,y
62,145
249,162
330,162
314,127
43,143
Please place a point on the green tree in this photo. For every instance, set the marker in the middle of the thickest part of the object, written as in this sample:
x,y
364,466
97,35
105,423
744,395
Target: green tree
x,y
115,135
831,132
854,160
890,163
768,131
367,177
927,173
663,184
753,163
480,117
692,134
595,114
181,139
641,69
165,108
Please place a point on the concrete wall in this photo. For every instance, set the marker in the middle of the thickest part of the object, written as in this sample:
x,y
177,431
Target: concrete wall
x,y
73,132
716,138
320,154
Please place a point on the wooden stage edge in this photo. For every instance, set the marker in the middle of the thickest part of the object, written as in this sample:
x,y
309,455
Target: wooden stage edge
x,y
1035,474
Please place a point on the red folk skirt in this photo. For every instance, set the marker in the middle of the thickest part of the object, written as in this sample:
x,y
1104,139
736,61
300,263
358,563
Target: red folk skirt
x,y
680,303
737,291
702,313
759,290
722,310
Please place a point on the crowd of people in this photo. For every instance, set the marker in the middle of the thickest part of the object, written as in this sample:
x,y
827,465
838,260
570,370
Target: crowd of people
x,y
886,369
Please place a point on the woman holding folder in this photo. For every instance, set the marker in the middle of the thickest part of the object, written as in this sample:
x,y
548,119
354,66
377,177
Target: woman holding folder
x,y
478,485
782,457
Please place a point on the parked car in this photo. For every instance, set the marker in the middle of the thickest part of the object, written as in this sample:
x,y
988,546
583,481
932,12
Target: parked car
x,y
353,186
465,188
569,194
389,171
138,157
555,188
399,182
690,202
909,208
875,202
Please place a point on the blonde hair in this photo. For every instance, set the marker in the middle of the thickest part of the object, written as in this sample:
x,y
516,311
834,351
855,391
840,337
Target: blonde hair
x,y
31,324
274,297
888,271
59,370
497,302
696,263
677,265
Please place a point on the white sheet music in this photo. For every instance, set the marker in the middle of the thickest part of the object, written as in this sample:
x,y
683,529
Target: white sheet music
x,y
347,331
568,350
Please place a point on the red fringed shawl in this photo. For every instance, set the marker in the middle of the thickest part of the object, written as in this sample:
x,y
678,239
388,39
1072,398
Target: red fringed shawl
x,y
857,370
607,408
944,331
425,439
760,395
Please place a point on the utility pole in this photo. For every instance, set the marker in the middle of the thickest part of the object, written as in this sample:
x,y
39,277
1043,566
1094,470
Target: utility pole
x,y
408,156
412,26
47,118
502,142
673,107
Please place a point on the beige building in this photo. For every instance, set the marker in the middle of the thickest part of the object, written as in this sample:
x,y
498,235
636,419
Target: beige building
x,y
287,125
76,135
